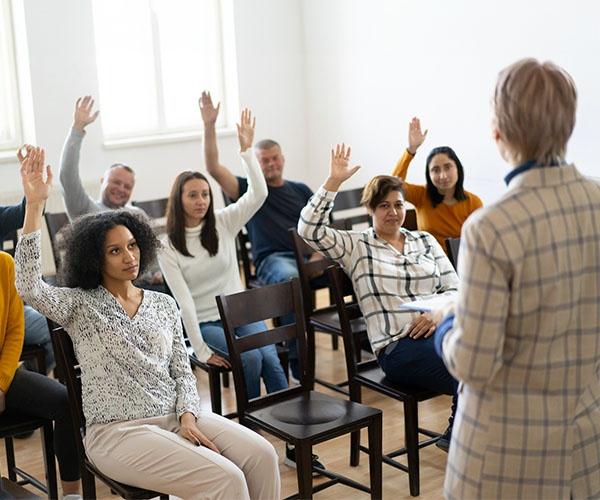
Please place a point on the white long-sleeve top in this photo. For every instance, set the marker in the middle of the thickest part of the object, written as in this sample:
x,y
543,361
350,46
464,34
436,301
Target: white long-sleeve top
x,y
196,280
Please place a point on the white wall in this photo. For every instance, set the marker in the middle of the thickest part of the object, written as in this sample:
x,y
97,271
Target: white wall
x,y
372,65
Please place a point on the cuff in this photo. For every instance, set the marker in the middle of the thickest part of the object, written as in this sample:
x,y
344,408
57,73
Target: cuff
x,y
440,332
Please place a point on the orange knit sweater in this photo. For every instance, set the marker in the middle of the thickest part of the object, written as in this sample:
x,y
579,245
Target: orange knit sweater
x,y
443,221
12,322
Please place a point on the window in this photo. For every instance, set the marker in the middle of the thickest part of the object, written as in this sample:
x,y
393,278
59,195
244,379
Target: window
x,y
10,120
154,57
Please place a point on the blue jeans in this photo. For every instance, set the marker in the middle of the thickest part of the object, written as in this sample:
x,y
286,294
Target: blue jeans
x,y
37,333
262,361
415,364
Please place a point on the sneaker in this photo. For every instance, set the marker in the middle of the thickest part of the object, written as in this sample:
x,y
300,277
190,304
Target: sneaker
x,y
443,443
290,460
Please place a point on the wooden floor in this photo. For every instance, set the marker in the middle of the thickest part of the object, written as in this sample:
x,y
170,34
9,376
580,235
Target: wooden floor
x,y
334,454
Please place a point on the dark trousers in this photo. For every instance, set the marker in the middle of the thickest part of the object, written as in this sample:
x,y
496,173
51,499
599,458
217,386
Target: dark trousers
x,y
415,364
34,394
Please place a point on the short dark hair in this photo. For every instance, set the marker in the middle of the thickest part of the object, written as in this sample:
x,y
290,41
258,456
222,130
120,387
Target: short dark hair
x,y
378,188
123,166
83,244
432,192
176,218
266,144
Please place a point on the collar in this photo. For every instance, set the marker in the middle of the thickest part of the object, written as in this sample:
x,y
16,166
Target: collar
x,y
524,167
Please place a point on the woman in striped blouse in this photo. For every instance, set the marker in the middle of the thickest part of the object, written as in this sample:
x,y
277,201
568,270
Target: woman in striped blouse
x,y
388,266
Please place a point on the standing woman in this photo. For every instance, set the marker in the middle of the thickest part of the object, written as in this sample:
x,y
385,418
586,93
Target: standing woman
x,y
525,341
442,205
199,261
144,426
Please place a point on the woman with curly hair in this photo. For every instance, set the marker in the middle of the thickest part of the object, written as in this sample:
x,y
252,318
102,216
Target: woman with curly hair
x,y
199,261
144,423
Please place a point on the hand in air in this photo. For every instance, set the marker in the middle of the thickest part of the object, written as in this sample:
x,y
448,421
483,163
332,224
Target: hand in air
x,y
36,177
188,429
245,130
207,110
340,169
83,114
415,136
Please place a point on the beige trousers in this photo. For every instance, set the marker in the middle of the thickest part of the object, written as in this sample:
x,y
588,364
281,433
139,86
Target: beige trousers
x,y
149,453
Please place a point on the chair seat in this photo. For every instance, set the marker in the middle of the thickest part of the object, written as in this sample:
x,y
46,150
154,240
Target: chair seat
x,y
12,423
125,490
327,320
14,490
312,415
376,379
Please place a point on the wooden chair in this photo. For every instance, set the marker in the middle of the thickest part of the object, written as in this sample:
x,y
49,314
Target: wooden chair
x,y
369,374
452,246
155,209
296,415
323,319
69,368
13,423
55,222
410,220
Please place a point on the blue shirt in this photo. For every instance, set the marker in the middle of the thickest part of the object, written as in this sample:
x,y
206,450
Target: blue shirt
x,y
269,228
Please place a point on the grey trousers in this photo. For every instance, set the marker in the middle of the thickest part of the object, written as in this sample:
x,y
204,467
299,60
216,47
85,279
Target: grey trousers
x,y
149,453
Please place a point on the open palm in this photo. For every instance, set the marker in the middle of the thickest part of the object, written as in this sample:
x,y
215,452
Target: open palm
x,y
36,177
245,130
207,109
415,135
340,169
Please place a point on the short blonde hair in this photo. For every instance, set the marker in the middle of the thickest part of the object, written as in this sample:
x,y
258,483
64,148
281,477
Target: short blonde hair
x,y
378,188
535,107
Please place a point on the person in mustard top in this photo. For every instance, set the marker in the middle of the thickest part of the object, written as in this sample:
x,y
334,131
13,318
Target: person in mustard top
x,y
442,205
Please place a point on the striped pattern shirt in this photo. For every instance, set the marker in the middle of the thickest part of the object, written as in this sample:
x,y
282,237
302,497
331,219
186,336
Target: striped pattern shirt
x,y
383,277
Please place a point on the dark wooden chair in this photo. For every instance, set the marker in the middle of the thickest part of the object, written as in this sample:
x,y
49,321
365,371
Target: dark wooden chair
x,y
296,415
69,369
410,220
155,209
369,374
452,246
13,423
55,222
323,319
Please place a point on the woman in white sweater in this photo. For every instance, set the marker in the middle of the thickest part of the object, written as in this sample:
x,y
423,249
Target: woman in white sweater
x,y
199,261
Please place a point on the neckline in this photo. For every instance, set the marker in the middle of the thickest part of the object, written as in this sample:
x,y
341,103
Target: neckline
x,y
120,306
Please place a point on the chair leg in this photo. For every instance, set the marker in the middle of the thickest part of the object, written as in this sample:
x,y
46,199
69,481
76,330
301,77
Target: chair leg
x,y
88,483
335,342
411,433
214,384
10,458
375,457
310,351
304,469
49,459
225,377
355,395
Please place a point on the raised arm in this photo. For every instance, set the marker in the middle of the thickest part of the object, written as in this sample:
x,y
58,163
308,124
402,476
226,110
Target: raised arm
x,y
313,225
53,302
77,201
228,182
414,193
237,214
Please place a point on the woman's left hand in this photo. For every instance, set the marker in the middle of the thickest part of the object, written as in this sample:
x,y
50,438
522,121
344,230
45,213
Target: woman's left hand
x,y
189,430
245,130
423,326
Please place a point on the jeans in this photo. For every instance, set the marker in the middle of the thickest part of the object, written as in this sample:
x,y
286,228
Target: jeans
x,y
262,361
37,333
414,363
34,394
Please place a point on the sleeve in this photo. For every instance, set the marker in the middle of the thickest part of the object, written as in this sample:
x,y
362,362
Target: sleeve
x,y
181,373
77,201
448,277
475,202
237,214
314,228
56,303
415,193
472,349
173,276
10,350
11,218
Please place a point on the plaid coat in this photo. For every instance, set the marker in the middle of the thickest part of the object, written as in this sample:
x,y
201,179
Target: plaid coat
x,y
525,343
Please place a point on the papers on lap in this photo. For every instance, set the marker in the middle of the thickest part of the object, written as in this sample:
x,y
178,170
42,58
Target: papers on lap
x,y
431,303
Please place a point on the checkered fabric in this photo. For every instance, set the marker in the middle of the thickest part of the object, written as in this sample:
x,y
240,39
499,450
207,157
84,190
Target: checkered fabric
x,y
525,343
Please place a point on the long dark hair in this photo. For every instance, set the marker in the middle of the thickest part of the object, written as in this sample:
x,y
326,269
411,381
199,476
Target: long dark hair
x,y
176,218
82,244
432,193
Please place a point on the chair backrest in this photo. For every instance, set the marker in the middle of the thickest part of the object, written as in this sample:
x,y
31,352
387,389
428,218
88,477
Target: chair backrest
x,y
12,238
410,220
55,222
155,209
70,375
452,246
348,310
260,304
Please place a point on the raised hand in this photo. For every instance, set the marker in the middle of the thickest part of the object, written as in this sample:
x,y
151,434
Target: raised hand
x,y
83,114
415,136
339,169
207,109
245,130
35,175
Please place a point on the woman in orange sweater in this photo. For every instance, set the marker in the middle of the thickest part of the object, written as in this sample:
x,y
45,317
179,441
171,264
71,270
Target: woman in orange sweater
x,y
442,205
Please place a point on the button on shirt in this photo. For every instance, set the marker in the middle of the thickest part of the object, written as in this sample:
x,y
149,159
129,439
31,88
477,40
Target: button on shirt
x,y
383,277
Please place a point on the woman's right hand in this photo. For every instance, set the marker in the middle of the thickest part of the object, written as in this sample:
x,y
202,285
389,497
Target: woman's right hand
x,y
415,136
33,171
217,360
339,169
207,109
